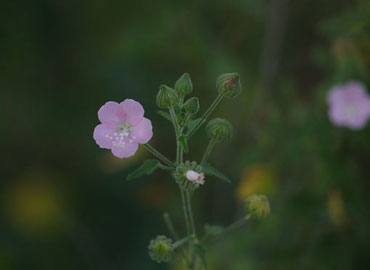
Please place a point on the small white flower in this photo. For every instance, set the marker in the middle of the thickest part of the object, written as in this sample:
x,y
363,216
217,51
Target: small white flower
x,y
195,177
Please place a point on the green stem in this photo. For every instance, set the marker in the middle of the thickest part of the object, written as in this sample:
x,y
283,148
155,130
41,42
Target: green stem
x,y
171,228
164,167
191,217
193,231
206,114
174,120
185,211
158,155
233,227
181,100
179,154
236,225
179,243
208,151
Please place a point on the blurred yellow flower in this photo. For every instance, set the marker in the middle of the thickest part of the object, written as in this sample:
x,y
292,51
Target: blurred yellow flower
x,y
336,208
257,178
32,203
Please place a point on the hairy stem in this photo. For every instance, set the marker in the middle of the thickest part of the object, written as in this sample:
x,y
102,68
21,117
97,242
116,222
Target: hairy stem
x,y
158,155
164,167
179,243
185,211
231,228
205,115
208,151
193,231
191,217
174,120
170,227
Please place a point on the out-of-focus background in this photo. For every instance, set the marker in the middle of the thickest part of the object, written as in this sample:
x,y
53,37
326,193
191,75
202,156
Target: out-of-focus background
x,y
65,203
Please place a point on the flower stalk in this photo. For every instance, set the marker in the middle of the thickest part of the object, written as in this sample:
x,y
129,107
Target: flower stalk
x,y
208,151
158,155
205,115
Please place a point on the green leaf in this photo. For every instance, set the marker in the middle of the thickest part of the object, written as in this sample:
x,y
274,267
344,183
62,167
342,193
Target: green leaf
x,y
165,115
148,167
200,251
184,142
213,229
193,123
208,169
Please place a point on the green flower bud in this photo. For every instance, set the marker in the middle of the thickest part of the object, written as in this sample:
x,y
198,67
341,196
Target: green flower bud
x,y
189,175
229,84
160,249
192,105
166,97
257,206
184,85
219,129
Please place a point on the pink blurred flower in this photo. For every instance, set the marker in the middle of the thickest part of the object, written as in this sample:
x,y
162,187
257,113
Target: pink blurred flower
x,y
193,176
123,127
349,105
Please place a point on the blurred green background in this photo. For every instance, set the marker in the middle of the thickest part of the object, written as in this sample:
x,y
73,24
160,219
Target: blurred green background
x,y
65,203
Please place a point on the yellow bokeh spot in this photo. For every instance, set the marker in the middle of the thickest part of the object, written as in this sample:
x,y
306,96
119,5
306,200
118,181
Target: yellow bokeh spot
x,y
32,203
336,208
257,178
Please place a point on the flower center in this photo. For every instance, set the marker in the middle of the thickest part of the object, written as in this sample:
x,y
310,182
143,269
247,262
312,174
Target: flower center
x,y
122,136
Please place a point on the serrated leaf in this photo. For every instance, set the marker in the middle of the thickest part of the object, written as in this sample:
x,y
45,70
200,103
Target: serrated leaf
x,y
184,142
208,169
165,115
213,229
148,167
200,251
193,123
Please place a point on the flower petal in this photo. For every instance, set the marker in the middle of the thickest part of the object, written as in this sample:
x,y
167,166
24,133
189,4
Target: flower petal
x,y
143,132
111,113
336,95
124,151
102,133
133,110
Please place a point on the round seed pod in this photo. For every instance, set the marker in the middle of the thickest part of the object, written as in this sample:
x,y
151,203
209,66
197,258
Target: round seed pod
x,y
184,84
219,129
161,249
257,206
229,84
166,97
192,105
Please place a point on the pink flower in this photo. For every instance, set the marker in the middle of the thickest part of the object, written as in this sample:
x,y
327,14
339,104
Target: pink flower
x,y
197,178
349,105
123,127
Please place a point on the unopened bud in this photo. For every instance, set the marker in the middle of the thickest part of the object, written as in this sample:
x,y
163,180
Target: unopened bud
x,y
160,249
184,85
219,129
229,84
257,206
166,97
192,105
